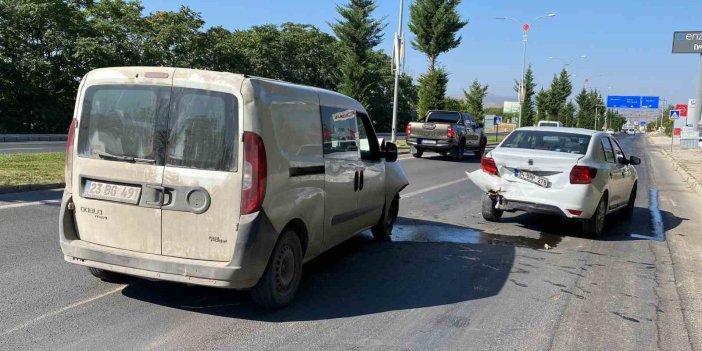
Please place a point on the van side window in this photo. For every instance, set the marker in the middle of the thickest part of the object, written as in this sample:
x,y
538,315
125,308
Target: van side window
x,y
340,133
202,130
368,142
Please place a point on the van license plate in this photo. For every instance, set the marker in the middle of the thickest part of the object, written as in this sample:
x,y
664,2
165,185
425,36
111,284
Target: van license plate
x,y
531,177
112,192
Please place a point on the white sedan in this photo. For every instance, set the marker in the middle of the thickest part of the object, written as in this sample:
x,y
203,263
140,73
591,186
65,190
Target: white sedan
x,y
569,172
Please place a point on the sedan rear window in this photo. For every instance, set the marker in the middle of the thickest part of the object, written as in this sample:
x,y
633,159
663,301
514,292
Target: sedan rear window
x,y
548,141
443,117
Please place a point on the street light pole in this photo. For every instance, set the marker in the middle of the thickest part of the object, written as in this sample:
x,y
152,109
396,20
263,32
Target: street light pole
x,y
399,41
525,39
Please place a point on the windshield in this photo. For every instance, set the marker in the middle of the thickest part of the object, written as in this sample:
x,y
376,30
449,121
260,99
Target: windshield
x,y
443,117
548,140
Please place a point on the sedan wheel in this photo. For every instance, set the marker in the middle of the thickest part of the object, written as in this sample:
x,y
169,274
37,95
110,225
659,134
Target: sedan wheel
x,y
595,225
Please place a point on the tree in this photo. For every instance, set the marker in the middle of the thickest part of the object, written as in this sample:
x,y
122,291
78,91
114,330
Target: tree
x,y
358,34
528,113
566,114
435,24
432,88
561,88
543,101
454,104
474,98
589,102
381,98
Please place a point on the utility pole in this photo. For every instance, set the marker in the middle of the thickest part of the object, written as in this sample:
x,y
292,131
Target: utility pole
x,y
398,56
695,119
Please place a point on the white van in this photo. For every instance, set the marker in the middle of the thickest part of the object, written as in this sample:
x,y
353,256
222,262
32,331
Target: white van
x,y
219,179
550,124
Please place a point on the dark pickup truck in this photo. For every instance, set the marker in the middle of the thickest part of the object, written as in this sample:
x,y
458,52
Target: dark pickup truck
x,y
446,132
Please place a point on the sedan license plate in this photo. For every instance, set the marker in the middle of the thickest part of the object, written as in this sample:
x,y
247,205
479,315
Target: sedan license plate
x,y
112,192
429,142
531,177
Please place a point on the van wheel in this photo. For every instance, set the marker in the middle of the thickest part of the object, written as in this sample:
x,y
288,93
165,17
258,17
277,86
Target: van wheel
x,y
279,283
417,153
490,213
594,226
383,230
107,276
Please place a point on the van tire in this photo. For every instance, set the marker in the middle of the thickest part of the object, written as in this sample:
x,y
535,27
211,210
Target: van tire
x,y
107,276
417,152
278,285
383,230
490,213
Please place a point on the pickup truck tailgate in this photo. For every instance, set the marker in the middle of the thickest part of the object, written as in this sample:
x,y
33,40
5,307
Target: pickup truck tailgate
x,y
429,130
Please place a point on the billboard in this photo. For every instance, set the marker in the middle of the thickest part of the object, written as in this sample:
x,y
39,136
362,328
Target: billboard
x,y
687,43
511,107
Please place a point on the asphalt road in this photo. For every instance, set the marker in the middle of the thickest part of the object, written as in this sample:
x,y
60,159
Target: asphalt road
x,y
32,147
447,281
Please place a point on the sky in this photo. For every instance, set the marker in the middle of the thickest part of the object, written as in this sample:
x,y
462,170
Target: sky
x,y
627,43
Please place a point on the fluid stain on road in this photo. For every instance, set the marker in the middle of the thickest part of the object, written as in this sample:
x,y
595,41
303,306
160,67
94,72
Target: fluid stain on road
x,y
426,231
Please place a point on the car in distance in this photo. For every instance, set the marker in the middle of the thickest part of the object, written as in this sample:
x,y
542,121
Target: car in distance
x,y
610,132
573,173
631,131
219,179
446,132
550,124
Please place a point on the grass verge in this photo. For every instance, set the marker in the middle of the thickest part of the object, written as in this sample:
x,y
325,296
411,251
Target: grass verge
x,y
22,169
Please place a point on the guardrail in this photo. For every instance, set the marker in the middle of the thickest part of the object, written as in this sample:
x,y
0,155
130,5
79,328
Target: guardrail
x,y
14,138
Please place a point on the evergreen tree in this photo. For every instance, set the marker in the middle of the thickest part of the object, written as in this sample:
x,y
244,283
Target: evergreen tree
x,y
528,112
561,88
432,89
474,99
566,114
358,34
435,24
543,100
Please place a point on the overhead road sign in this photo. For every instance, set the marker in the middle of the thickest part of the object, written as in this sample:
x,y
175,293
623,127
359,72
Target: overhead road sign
x,y
687,42
624,101
642,123
674,114
649,101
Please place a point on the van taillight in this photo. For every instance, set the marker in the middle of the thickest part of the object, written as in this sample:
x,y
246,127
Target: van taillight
x,y
450,133
582,175
68,160
254,174
408,129
489,166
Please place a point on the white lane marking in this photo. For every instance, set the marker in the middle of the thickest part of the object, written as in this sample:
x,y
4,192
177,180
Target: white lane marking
x,y
61,310
673,202
33,203
422,191
404,158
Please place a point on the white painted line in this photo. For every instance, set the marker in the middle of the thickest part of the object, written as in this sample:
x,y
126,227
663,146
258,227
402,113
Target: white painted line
x,y
422,191
33,203
61,310
673,202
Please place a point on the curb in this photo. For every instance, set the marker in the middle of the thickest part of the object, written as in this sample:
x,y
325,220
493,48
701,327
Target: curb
x,y
689,178
7,189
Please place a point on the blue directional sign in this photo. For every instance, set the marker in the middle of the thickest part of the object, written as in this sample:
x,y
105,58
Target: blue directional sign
x,y
498,119
674,114
642,123
624,101
649,101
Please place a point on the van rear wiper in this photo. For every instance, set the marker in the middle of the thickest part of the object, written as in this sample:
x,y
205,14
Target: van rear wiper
x,y
109,156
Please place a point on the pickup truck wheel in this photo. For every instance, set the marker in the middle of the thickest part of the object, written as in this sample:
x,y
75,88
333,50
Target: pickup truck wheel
x,y
490,213
480,152
417,153
594,226
110,277
458,151
281,279
383,230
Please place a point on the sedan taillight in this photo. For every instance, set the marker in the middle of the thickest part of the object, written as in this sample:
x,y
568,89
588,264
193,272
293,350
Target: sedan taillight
x,y
582,175
489,166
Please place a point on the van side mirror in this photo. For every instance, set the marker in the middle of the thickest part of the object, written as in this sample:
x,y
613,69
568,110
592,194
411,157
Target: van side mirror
x,y
634,160
390,152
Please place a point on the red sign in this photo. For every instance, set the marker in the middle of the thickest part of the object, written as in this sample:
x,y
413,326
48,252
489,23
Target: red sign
x,y
682,108
526,27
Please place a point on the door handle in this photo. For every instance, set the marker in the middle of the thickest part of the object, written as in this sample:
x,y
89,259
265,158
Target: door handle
x,y
159,191
355,181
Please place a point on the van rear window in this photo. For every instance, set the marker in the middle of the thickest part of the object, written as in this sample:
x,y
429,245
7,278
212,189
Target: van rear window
x,y
177,127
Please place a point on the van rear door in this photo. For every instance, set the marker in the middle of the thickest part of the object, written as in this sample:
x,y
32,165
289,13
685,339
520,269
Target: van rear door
x,y
201,179
117,174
